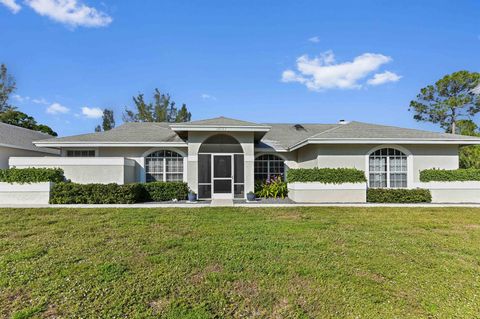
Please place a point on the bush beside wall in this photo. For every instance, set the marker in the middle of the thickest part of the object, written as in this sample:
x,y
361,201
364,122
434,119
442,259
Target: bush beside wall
x,y
165,191
398,195
71,193
31,175
326,175
454,175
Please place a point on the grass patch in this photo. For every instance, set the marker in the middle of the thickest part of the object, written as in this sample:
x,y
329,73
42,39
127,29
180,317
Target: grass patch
x,y
311,262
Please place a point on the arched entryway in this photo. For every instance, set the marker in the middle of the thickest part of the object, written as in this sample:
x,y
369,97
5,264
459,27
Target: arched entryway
x,y
221,172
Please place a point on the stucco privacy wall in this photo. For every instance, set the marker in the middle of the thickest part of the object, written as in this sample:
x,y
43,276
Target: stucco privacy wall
x,y
195,140
327,193
84,170
356,155
7,152
15,193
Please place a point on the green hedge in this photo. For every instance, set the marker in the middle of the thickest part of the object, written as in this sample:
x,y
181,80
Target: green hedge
x,y
398,195
71,193
164,191
326,175
31,175
455,175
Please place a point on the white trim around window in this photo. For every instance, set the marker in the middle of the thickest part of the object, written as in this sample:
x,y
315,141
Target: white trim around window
x,y
402,149
165,165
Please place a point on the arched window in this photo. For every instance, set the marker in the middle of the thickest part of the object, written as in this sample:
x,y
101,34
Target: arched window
x,y
164,166
269,166
388,168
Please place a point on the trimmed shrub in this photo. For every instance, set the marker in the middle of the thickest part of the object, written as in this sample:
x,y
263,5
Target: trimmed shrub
x,y
454,175
326,175
272,188
164,191
31,175
398,195
72,193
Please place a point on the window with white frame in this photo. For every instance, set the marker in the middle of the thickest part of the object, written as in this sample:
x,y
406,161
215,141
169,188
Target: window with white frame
x,y
80,153
269,166
164,166
388,168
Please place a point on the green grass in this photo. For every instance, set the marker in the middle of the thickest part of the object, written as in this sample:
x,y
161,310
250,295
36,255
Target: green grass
x,y
240,263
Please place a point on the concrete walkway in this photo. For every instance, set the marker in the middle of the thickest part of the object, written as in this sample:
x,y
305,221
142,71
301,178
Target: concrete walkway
x,y
232,204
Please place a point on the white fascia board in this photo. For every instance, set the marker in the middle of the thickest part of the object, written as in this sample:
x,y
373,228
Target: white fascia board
x,y
270,150
109,144
220,128
384,141
31,149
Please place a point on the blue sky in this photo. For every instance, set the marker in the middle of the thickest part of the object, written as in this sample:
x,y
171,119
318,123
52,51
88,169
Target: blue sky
x,y
264,61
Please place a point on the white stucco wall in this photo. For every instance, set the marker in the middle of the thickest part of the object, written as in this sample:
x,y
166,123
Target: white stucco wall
x,y
21,194
138,155
355,156
7,152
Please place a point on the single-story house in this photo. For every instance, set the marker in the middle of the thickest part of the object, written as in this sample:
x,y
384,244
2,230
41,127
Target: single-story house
x,y
18,141
223,157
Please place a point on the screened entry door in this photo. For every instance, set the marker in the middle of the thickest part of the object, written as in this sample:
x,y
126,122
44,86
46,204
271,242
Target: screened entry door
x,y
222,176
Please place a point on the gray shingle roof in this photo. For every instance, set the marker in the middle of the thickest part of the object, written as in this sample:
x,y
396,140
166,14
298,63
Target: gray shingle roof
x,y
128,133
282,136
359,130
19,137
279,137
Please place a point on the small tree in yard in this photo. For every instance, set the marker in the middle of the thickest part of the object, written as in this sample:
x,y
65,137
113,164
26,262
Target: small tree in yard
x,y
449,100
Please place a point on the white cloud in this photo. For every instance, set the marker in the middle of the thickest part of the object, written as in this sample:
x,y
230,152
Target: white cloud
x,y
40,101
382,78
20,98
70,12
92,112
314,39
323,73
12,5
57,108
206,96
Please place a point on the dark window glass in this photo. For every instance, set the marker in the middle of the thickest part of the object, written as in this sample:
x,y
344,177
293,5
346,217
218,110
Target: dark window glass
x,y
222,186
204,168
81,153
222,166
239,167
239,191
204,191
268,167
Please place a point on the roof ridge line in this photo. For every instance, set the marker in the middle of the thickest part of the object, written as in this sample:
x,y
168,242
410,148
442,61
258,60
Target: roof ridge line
x,y
329,130
314,135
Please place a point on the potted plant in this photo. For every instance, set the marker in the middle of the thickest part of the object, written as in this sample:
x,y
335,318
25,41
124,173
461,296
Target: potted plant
x,y
192,196
251,196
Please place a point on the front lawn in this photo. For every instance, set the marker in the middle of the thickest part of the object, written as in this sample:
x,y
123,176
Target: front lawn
x,y
240,263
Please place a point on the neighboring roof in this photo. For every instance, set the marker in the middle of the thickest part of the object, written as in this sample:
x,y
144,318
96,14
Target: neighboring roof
x,y
278,137
132,133
22,138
